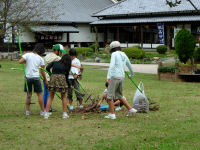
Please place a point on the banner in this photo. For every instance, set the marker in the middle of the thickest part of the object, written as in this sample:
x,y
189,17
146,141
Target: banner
x,y
161,35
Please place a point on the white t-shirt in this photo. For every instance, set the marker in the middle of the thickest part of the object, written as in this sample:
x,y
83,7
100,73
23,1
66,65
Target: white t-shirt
x,y
74,70
33,62
106,91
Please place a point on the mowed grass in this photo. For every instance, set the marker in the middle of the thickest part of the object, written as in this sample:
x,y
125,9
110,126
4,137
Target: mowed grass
x,y
175,126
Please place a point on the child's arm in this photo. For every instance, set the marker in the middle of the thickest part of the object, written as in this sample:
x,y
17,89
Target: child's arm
x,y
22,60
44,75
103,97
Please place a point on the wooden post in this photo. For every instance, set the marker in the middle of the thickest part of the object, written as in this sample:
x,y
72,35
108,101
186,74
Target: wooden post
x,y
117,34
105,35
68,38
168,37
159,65
142,37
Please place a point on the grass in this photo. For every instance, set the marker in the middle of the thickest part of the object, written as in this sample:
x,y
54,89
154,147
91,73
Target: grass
x,y
174,126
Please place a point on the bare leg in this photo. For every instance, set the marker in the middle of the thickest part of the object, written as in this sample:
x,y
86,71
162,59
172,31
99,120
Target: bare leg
x,y
80,102
126,104
117,103
111,106
70,101
28,101
64,101
41,101
49,102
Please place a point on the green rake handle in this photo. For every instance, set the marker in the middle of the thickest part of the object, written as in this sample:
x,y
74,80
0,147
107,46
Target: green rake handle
x,y
133,82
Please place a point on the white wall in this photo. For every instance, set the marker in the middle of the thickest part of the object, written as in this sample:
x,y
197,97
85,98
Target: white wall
x,y
26,37
85,35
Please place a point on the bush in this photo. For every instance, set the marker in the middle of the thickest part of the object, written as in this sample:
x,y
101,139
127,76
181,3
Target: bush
x,y
167,69
184,45
162,49
134,53
93,46
197,54
86,51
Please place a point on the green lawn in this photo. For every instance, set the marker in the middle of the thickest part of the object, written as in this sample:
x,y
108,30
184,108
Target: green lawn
x,y
175,126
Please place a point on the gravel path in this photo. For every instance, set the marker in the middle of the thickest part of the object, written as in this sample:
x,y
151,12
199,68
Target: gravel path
x,y
141,68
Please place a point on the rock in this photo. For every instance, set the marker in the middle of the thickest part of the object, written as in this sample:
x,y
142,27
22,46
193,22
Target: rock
x,y
97,59
156,58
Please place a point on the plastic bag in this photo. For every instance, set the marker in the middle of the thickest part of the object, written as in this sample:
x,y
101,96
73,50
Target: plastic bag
x,y
140,101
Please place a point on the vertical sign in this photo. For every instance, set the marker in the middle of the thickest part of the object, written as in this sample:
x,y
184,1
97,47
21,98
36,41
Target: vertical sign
x,y
161,35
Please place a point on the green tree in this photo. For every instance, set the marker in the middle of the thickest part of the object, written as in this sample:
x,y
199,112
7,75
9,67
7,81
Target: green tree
x,y
184,45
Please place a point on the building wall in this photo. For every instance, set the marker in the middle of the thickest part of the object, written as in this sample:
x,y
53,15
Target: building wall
x,y
85,35
27,37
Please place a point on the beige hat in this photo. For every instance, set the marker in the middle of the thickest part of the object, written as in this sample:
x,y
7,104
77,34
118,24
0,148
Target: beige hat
x,y
114,44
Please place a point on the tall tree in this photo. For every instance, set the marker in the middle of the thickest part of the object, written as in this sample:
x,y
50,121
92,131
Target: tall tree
x,y
24,12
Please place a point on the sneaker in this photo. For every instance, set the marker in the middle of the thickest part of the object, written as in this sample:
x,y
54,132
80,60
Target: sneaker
x,y
65,115
71,107
81,106
131,112
46,115
118,108
110,116
42,113
28,113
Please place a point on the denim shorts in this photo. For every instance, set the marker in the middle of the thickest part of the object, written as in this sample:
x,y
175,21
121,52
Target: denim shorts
x,y
35,83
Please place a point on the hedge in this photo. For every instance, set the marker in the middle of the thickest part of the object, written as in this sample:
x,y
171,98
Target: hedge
x,y
134,53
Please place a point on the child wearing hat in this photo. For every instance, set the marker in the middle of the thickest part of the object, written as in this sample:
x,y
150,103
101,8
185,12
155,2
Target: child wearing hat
x,y
58,50
115,78
58,82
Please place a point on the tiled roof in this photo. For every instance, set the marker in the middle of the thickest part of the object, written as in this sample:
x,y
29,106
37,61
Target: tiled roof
x,y
133,7
78,11
149,20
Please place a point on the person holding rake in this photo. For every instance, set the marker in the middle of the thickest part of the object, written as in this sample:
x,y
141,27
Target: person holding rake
x,y
115,78
58,82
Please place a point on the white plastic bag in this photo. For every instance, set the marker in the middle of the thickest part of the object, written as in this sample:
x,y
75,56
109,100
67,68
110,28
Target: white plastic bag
x,y
140,101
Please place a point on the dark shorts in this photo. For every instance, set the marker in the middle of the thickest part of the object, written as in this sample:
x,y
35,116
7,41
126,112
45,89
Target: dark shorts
x,y
35,83
75,84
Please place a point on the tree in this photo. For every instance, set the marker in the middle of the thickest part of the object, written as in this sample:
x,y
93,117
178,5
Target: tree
x,y
184,45
174,3
23,13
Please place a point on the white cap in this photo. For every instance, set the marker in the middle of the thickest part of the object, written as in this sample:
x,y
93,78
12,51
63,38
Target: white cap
x,y
114,44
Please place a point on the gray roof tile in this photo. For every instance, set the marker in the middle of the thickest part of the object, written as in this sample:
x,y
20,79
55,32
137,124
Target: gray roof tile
x,y
145,6
78,10
149,20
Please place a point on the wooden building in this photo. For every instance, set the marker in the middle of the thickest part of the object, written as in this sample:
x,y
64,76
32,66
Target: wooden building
x,y
147,23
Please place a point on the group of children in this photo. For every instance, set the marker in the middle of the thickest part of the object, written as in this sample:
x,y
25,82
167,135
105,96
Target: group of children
x,y
61,76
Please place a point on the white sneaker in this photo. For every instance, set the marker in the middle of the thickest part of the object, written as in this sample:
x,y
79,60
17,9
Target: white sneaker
x,y
28,113
118,108
81,106
131,112
42,113
110,116
65,115
71,107
46,115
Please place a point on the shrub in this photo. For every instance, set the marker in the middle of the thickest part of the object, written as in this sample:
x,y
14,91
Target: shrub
x,y
161,49
134,53
197,54
171,69
184,45
86,51
94,46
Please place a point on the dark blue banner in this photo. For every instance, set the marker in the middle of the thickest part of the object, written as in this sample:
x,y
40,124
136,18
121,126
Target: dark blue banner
x,y
161,35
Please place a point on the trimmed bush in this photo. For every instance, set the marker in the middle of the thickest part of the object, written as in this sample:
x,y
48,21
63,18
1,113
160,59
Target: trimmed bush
x,y
134,53
86,51
94,45
184,45
161,49
164,69
197,54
